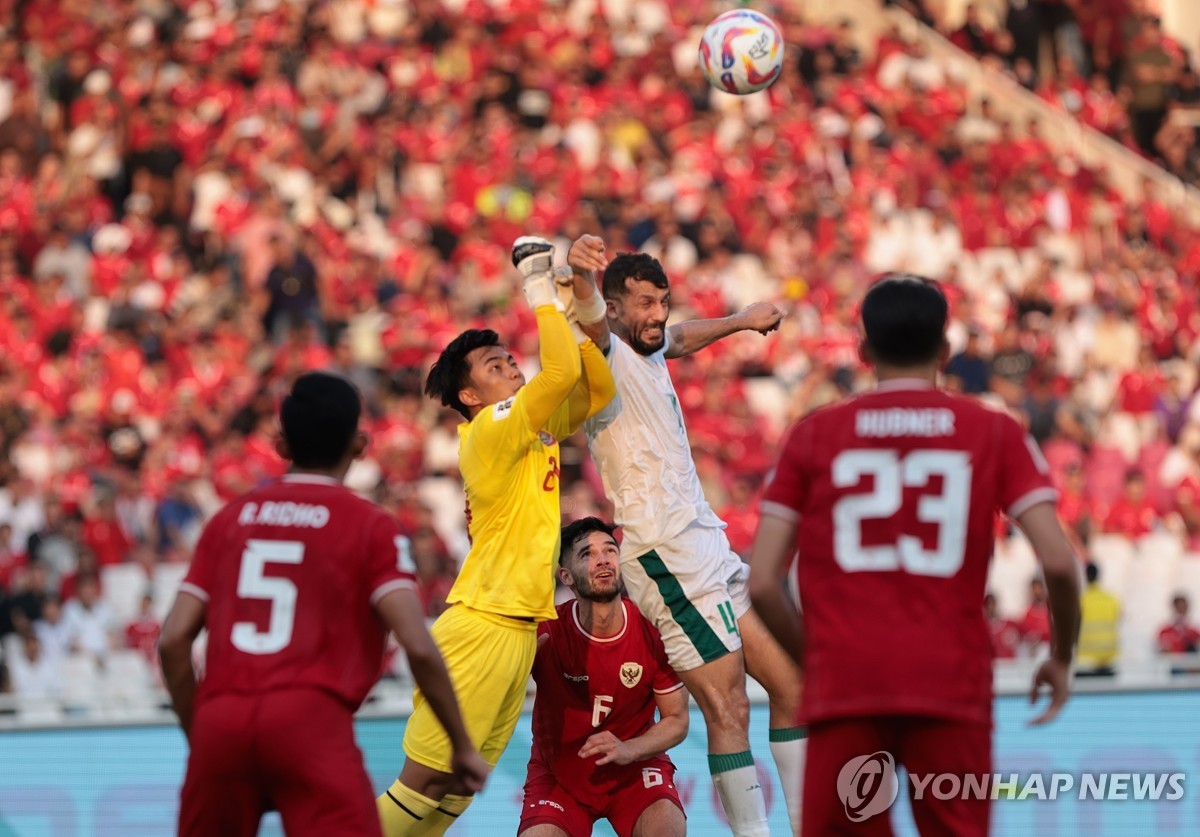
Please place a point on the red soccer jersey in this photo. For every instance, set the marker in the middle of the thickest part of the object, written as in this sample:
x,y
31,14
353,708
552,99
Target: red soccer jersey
x,y
587,685
896,493
290,573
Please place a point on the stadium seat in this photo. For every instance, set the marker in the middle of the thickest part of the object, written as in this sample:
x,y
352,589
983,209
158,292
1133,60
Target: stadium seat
x,y
81,682
127,680
167,578
124,585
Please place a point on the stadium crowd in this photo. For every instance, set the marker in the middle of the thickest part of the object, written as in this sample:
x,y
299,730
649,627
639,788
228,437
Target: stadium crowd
x,y
200,200
1107,63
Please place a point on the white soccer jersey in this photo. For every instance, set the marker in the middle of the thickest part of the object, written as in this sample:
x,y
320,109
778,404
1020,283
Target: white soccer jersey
x,y
640,446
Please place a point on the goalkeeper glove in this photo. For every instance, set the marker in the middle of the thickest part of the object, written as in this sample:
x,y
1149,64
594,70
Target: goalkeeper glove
x,y
532,256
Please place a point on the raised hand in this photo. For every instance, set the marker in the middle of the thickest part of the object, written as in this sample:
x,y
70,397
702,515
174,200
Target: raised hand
x,y
763,317
587,253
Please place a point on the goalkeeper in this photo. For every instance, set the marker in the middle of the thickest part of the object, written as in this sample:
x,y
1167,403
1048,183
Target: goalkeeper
x,y
509,459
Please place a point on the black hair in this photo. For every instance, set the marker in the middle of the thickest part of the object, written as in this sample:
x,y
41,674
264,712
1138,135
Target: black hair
x,y
319,418
631,266
577,531
904,318
451,372
1092,572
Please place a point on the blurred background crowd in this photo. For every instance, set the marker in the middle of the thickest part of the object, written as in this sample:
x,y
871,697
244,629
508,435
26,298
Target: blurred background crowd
x,y
200,200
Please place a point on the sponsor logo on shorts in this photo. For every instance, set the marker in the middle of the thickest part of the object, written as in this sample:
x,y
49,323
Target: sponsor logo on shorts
x,y
631,674
551,803
547,439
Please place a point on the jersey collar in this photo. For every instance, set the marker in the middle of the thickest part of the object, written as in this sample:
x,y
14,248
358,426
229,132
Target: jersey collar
x,y
900,384
615,637
310,479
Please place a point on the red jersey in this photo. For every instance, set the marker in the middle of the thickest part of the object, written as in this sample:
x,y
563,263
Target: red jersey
x,y
1179,637
587,684
290,574
896,493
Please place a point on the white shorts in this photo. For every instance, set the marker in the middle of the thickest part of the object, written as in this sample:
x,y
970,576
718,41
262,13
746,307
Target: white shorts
x,y
693,590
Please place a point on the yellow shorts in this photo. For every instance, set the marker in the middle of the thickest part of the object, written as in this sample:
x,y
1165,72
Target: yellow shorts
x,y
489,658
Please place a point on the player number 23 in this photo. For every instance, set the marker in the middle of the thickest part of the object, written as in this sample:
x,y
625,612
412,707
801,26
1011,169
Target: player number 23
x,y
891,473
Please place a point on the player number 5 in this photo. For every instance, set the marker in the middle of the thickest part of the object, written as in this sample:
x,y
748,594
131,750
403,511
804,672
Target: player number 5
x,y
891,474
280,592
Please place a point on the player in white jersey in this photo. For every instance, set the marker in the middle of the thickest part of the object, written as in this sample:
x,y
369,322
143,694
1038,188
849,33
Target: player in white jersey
x,y
677,562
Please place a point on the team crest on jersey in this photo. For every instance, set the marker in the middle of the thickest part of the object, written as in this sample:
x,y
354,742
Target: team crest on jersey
x,y
631,674
547,439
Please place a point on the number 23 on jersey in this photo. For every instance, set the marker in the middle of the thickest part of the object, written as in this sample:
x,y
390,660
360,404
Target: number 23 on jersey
x,y
891,473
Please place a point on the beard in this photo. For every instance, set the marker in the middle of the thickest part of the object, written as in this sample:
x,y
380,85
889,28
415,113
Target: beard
x,y
584,589
643,347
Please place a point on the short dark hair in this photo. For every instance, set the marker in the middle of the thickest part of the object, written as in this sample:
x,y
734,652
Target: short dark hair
x,y
631,266
1092,572
451,372
576,531
319,418
904,318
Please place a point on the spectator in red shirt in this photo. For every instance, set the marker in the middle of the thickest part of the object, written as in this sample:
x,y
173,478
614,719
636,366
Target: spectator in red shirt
x,y
104,535
142,633
1132,515
1035,624
1006,634
1179,636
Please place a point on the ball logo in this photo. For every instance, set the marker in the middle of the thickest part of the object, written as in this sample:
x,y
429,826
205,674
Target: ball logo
x,y
867,785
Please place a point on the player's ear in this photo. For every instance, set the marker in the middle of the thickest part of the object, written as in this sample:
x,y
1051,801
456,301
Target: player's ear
x,y
361,441
565,577
611,305
864,353
469,397
282,448
944,352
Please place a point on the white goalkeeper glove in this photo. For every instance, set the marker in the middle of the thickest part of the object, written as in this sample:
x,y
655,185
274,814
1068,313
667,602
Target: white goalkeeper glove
x,y
532,256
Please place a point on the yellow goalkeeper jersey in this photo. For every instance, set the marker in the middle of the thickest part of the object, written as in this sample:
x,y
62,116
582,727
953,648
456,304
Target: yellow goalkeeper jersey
x,y
509,460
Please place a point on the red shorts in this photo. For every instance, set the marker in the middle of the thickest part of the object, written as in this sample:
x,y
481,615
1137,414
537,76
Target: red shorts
x,y
291,751
923,746
547,802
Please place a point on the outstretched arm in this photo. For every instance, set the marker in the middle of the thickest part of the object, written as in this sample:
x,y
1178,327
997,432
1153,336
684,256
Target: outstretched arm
x,y
595,389
585,257
694,335
561,368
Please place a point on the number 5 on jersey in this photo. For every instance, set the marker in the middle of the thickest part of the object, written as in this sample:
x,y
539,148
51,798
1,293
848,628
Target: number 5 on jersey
x,y
891,473
253,583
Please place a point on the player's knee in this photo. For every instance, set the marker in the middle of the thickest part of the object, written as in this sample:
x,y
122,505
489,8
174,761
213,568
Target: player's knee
x,y
727,709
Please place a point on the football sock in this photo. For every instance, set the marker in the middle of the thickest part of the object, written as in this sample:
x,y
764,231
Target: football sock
x,y
788,748
444,816
741,795
402,810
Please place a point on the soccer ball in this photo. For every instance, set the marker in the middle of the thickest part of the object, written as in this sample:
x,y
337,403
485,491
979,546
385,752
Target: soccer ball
x,y
741,52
